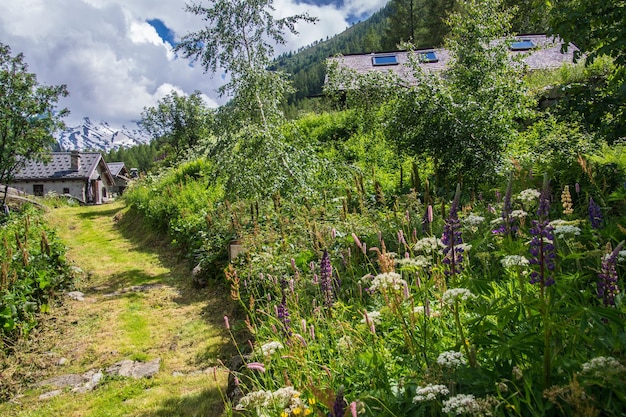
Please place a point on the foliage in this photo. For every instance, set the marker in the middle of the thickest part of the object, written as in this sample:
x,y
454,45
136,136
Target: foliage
x,y
33,270
178,121
594,97
179,203
28,115
464,118
597,31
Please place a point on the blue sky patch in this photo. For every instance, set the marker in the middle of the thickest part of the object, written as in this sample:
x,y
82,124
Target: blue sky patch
x,y
164,32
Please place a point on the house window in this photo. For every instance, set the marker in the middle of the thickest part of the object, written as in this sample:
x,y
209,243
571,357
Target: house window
x,y
429,56
523,45
38,190
382,60
66,190
104,192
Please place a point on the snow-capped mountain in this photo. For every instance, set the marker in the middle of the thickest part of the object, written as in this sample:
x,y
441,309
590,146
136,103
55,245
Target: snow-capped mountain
x,y
102,136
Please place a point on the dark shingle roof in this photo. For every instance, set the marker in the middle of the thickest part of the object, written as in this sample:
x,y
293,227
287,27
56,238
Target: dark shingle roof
x,y
546,54
59,167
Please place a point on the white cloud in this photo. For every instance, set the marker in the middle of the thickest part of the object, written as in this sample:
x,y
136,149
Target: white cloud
x,y
114,63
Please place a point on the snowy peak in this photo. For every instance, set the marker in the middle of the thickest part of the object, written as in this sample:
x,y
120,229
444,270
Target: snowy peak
x,y
101,137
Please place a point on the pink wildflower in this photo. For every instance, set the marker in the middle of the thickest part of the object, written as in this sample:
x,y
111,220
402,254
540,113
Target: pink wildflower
x,y
256,366
353,408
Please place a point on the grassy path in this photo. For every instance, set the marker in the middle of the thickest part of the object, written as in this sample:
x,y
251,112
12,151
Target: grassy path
x,y
138,305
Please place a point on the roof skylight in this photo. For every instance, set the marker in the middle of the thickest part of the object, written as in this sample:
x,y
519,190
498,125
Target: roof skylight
x,y
429,56
523,45
381,60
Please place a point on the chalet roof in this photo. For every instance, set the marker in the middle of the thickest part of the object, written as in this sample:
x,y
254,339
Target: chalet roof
x,y
59,167
545,53
117,169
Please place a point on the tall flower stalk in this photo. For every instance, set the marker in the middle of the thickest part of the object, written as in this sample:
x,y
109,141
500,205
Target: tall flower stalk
x,y
283,312
326,280
543,259
607,278
542,245
452,238
595,214
508,228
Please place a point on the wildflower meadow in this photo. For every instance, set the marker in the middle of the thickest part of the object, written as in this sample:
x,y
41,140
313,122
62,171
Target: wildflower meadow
x,y
509,304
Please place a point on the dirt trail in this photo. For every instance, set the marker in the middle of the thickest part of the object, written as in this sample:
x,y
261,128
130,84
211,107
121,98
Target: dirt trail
x,y
138,305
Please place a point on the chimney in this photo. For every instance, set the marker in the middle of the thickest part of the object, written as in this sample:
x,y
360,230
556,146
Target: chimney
x,y
74,161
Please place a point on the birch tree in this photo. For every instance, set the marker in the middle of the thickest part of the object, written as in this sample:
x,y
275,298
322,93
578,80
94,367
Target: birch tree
x,y
239,40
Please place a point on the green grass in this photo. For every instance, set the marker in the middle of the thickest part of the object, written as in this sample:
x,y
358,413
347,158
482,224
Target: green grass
x,y
168,319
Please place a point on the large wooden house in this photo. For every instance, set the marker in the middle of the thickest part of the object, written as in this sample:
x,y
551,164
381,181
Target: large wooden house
x,y
82,175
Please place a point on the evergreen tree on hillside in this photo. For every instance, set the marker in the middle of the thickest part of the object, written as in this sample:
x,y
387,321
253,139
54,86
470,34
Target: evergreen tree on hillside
x,y
420,22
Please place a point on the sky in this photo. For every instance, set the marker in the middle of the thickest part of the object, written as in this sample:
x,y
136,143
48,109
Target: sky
x,y
116,58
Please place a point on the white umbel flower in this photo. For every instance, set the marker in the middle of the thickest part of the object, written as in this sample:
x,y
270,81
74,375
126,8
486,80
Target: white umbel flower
x,y
461,404
453,295
429,392
451,359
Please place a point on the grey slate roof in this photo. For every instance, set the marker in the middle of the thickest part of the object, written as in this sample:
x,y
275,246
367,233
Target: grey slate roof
x,y
546,54
59,167
117,168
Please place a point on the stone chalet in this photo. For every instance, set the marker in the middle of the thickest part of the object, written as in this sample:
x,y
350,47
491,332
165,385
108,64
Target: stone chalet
x,y
539,52
83,175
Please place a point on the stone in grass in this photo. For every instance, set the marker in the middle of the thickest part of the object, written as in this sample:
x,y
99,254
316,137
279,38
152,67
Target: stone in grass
x,y
76,295
50,394
62,381
134,369
93,378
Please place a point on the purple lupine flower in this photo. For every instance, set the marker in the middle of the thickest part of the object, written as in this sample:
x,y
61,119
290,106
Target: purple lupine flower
x,y
281,310
283,316
577,188
607,282
595,214
452,239
326,276
339,406
542,245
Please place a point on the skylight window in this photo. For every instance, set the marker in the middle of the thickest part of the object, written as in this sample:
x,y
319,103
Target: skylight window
x,y
382,60
429,56
523,45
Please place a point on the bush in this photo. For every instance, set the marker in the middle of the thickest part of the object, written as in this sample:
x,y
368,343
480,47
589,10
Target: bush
x,y
33,270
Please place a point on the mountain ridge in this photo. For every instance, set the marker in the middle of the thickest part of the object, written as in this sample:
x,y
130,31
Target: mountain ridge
x,y
100,136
